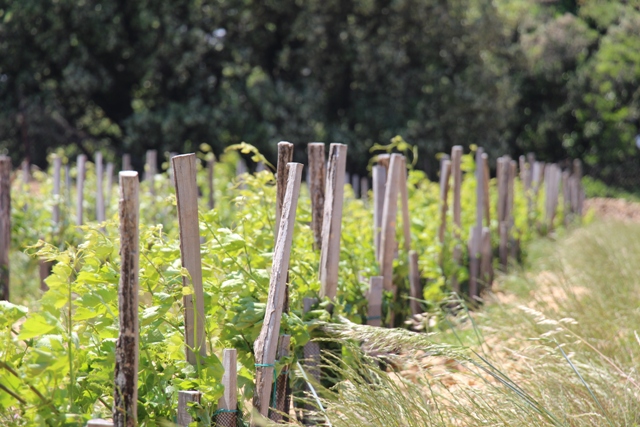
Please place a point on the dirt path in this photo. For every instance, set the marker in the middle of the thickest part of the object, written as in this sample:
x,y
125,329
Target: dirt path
x,y
614,209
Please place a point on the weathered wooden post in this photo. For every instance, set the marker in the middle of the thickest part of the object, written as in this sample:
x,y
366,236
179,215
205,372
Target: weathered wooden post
x,y
285,156
227,413
151,169
355,185
485,183
311,352
100,212
374,301
126,162
503,191
317,176
266,344
445,173
566,197
456,171
5,224
109,188
389,220
578,193
332,221
80,170
185,398
184,169
55,214
476,238
513,166
379,183
125,401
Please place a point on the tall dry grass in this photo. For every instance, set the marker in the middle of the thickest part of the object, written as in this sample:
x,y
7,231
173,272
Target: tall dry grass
x,y
557,344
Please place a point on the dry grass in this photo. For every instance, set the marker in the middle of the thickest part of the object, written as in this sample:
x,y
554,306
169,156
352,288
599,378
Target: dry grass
x,y
561,350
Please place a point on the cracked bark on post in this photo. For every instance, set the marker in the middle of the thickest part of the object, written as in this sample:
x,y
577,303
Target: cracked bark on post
x,y
184,174
125,400
266,344
317,177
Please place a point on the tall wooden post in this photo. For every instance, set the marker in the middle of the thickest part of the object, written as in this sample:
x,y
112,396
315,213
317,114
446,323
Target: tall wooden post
x,y
317,176
5,224
125,402
55,214
374,301
379,183
150,169
285,156
485,183
126,162
100,213
476,239
184,169
456,172
228,403
109,188
266,344
445,173
389,220
80,188
332,221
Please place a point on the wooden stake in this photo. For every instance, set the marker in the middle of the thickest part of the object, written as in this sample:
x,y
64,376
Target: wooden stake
x,y
332,221
125,402
486,269
445,172
511,177
126,162
185,397
566,198
285,156
80,188
67,183
229,400
474,256
355,185
184,168
374,300
456,157
311,352
485,182
5,224
415,288
55,214
266,344
389,219
26,173
109,188
579,193
404,198
379,183
317,176
100,213
151,168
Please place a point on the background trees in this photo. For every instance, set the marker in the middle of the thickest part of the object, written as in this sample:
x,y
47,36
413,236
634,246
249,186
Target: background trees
x,y
558,78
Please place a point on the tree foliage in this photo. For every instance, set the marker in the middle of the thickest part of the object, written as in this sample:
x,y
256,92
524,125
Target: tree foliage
x,y
558,78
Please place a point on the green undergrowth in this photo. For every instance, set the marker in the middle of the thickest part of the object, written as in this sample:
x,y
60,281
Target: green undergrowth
x,y
557,344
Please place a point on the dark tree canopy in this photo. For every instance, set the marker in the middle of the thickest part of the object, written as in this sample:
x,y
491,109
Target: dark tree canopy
x,y
558,78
